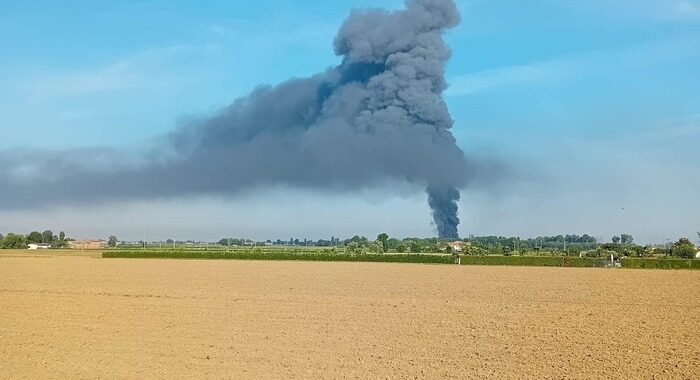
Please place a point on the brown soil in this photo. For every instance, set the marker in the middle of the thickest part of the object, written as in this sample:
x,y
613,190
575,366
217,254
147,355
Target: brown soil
x,y
85,317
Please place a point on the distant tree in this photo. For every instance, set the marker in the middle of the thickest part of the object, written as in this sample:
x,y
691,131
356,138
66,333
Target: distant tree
x,y
383,238
626,239
353,247
616,239
573,251
477,251
14,241
393,243
496,250
112,241
1,237
34,237
47,236
683,248
375,247
59,241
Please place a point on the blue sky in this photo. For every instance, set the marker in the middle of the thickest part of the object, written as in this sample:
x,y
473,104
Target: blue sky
x,y
592,106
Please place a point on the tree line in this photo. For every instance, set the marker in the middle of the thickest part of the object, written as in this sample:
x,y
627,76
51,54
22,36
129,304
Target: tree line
x,y
20,241
585,245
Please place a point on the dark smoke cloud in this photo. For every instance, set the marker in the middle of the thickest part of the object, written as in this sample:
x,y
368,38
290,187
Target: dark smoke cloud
x,y
377,117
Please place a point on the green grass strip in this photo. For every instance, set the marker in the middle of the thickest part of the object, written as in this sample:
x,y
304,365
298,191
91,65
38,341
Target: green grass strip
x,y
660,263
278,255
535,261
326,255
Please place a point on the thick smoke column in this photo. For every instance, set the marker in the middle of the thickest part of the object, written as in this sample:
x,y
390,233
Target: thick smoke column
x,y
377,117
443,202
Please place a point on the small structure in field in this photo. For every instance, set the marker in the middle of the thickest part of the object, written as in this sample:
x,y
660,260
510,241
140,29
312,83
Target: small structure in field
x,y
35,246
87,244
458,246
697,254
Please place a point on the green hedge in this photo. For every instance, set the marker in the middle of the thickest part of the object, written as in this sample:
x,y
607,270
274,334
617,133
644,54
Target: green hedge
x,y
535,261
277,255
328,255
660,263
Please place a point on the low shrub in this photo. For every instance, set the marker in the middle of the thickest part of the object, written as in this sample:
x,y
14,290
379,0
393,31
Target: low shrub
x,y
538,261
337,255
636,263
282,255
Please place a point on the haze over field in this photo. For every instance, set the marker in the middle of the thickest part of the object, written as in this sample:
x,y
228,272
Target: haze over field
x,y
573,119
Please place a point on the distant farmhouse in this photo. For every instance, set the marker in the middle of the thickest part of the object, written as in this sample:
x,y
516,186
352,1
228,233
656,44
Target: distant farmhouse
x,y
697,254
87,244
458,246
36,246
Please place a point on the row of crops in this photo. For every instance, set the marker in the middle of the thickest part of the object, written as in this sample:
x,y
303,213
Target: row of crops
x,y
330,254
277,254
634,263
535,261
580,262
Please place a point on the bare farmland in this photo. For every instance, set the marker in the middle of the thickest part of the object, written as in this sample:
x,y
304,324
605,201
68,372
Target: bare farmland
x,y
85,317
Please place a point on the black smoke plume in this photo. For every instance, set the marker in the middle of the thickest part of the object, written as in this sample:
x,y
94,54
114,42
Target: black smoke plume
x,y
377,117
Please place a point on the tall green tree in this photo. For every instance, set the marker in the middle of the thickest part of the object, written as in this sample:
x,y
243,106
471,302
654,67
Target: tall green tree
x,y
112,241
47,236
14,241
353,247
60,241
684,249
34,237
375,247
616,239
384,239
626,239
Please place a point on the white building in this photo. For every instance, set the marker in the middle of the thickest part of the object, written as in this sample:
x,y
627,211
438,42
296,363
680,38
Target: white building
x,y
39,246
458,246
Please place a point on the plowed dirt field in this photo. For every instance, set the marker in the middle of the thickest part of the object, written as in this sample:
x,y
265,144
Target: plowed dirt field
x,y
72,317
